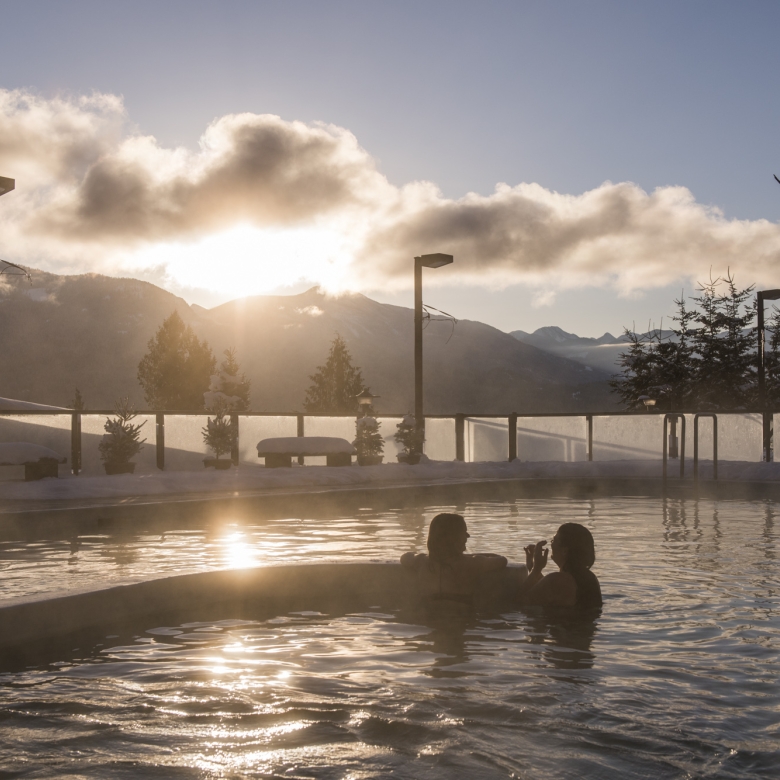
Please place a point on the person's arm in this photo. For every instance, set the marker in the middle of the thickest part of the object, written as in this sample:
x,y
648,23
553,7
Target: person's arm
x,y
536,560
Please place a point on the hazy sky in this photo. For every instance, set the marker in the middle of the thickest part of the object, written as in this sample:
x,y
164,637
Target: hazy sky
x,y
140,137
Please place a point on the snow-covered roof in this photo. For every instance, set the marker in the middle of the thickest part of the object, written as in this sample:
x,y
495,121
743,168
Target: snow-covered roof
x,y
17,453
12,405
305,445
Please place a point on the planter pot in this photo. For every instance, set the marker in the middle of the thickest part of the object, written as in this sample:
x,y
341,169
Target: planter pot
x,y
119,468
218,463
370,460
411,458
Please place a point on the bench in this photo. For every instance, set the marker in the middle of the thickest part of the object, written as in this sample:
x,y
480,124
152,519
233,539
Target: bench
x,y
280,451
38,461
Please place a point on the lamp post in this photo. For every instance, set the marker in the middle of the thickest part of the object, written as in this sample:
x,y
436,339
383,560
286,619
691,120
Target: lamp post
x,y
365,401
6,185
647,401
761,296
424,261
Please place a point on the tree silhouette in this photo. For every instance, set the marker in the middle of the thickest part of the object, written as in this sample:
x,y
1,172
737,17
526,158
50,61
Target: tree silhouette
x,y
176,370
228,386
709,367
336,384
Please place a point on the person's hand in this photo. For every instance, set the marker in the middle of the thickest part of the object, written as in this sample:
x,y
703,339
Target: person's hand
x,y
529,556
540,555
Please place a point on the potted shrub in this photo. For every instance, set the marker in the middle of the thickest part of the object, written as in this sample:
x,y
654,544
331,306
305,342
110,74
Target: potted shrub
x,y
121,441
410,439
368,441
220,436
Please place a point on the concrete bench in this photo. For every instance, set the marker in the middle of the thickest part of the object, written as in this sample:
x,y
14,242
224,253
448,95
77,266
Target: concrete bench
x,y
280,451
38,461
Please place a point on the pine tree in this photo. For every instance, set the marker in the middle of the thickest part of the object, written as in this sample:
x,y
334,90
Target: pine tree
x,y
228,386
335,385
638,370
409,436
709,367
723,367
77,404
368,441
176,370
220,435
121,441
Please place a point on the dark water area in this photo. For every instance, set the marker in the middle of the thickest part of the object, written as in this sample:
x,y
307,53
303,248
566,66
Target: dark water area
x,y
676,678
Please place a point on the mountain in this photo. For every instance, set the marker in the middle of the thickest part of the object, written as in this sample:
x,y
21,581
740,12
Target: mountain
x,y
90,331
600,354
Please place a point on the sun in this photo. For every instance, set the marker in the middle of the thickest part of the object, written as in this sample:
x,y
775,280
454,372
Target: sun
x,y
247,260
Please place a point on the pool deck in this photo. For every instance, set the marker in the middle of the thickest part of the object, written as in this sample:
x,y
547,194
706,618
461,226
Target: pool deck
x,y
87,504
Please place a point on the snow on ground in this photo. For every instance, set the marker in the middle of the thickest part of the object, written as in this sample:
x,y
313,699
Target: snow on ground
x,y
248,479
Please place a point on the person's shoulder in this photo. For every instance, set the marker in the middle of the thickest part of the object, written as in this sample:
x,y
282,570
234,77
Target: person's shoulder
x,y
412,560
557,589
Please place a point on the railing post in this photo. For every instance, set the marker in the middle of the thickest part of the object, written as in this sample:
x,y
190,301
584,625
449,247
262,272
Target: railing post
x,y
75,443
234,448
460,439
512,437
300,433
589,418
766,425
160,440
667,417
665,448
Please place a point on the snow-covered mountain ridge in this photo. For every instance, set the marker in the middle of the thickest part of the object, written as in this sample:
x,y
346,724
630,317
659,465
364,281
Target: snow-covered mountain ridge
x,y
599,354
91,331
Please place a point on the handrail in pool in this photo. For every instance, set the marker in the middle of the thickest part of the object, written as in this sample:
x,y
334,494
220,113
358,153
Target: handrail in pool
x,y
696,445
673,417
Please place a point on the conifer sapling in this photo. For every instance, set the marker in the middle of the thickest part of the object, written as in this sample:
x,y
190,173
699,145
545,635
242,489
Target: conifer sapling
x,y
368,441
121,441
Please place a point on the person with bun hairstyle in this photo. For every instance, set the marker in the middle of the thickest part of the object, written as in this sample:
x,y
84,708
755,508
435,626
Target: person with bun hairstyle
x,y
447,574
575,585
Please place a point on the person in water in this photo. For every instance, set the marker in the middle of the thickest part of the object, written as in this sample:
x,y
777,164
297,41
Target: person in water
x,y
575,585
447,573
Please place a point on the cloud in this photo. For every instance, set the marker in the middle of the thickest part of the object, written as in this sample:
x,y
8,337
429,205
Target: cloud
x,y
92,190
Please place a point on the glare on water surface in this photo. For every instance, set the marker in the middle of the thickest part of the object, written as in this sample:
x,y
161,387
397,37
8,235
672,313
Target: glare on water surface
x,y
677,678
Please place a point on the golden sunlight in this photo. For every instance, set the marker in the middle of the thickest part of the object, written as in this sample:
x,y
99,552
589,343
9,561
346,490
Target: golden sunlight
x,y
247,260
238,553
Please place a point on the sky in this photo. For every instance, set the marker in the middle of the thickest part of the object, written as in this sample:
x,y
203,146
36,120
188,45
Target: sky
x,y
584,162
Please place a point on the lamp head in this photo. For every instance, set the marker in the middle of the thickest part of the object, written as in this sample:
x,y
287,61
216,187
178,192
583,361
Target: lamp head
x,y
769,295
436,260
365,397
6,185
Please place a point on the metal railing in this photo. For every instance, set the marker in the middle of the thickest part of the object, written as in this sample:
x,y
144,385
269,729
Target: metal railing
x,y
673,417
696,419
476,437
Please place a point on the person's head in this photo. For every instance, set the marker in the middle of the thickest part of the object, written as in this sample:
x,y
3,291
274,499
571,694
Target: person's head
x,y
447,536
572,547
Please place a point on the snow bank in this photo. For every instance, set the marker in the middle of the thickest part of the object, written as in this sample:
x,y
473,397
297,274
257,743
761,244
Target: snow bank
x,y
17,453
251,478
12,405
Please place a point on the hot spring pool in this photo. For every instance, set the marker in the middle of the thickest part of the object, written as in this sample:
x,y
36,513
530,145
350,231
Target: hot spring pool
x,y
678,677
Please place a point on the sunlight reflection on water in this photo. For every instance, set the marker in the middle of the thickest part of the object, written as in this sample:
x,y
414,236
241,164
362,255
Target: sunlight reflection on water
x,y
677,678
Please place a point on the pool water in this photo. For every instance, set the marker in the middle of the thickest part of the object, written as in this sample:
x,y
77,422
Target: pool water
x,y
678,677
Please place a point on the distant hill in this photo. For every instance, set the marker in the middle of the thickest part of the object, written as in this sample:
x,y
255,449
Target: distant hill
x,y
601,354
91,331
